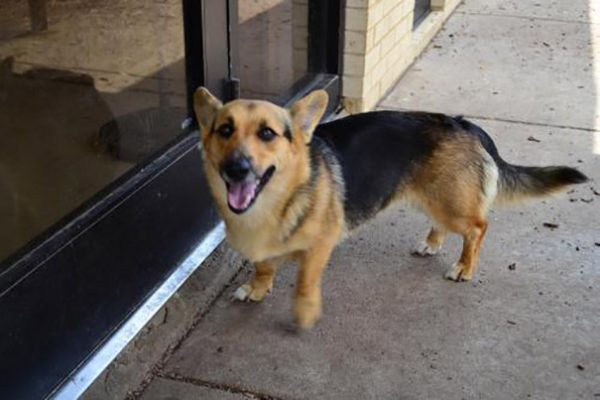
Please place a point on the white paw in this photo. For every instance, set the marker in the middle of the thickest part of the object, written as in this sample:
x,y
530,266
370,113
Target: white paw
x,y
241,293
423,249
246,293
455,273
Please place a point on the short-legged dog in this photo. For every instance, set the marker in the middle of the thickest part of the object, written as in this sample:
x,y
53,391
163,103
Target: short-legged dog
x,y
289,189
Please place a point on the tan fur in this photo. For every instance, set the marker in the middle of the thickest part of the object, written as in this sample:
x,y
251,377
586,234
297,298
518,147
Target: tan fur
x,y
270,234
302,215
451,195
306,225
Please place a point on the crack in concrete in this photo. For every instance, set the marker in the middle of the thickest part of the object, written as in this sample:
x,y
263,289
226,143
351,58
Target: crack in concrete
x,y
532,123
157,369
507,120
529,18
221,386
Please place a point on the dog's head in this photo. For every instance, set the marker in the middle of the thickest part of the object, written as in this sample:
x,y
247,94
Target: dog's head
x,y
252,143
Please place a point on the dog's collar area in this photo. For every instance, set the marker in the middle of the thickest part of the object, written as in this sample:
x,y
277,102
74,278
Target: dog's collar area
x,y
241,195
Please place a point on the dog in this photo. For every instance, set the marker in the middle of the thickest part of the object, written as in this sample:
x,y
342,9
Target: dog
x,y
290,189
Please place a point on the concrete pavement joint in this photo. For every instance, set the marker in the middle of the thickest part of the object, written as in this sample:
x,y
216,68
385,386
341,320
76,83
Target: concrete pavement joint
x,y
511,121
158,367
529,18
220,386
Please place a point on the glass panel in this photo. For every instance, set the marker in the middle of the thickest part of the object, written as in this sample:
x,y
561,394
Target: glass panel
x,y
88,88
272,47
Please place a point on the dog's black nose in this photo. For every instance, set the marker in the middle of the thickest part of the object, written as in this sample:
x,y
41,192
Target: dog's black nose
x,y
237,169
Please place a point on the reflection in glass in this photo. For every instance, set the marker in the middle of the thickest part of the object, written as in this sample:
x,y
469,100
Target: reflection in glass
x,y
273,46
88,88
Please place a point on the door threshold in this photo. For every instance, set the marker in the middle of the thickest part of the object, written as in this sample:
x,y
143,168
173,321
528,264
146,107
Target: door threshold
x,y
87,373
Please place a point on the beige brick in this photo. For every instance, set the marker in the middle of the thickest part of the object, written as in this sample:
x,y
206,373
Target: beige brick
x,y
400,48
395,60
394,74
372,58
407,8
300,15
387,43
404,27
387,81
379,45
391,17
403,9
354,64
367,82
397,14
375,13
356,19
381,29
404,41
370,39
355,42
389,5
371,98
300,39
300,58
378,72
352,86
357,3
438,5
409,5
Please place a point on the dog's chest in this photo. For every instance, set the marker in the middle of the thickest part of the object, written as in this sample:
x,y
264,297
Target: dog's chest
x,y
261,242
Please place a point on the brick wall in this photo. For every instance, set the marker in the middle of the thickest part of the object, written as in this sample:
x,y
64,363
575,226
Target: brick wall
x,y
380,44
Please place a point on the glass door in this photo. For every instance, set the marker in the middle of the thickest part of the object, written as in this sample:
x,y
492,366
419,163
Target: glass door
x,y
101,186
282,48
89,89
102,193
272,46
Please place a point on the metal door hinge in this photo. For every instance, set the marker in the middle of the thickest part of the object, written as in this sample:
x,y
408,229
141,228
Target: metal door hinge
x,y
232,88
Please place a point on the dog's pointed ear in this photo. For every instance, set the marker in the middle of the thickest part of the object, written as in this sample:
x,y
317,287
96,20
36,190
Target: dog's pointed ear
x,y
307,112
205,107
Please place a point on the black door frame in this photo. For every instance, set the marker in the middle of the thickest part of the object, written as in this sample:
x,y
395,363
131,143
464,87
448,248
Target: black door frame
x,y
65,293
421,11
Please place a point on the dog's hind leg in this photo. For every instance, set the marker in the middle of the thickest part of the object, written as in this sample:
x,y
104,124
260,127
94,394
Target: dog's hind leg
x,y
472,232
261,283
456,188
432,244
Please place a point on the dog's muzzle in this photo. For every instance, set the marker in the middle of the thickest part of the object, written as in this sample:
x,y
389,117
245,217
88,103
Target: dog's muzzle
x,y
243,183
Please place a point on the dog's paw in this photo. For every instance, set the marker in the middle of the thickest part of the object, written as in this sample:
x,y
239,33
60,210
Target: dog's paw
x,y
458,273
423,249
307,311
247,292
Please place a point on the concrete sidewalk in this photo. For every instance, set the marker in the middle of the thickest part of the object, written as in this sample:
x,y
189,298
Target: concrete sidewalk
x,y
527,327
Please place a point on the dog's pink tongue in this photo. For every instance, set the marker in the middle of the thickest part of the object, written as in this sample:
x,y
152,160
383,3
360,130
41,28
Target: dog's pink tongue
x,y
239,195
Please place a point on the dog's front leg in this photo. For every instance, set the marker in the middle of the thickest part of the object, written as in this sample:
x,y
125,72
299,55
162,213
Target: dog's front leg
x,y
260,284
307,303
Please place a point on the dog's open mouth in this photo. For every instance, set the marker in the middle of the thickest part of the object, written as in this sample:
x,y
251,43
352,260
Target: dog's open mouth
x,y
241,195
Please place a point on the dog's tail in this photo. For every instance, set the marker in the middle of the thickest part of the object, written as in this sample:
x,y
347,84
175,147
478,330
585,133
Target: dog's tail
x,y
518,183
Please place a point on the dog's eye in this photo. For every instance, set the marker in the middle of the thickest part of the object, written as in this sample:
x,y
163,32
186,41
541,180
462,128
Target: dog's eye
x,y
266,134
225,131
